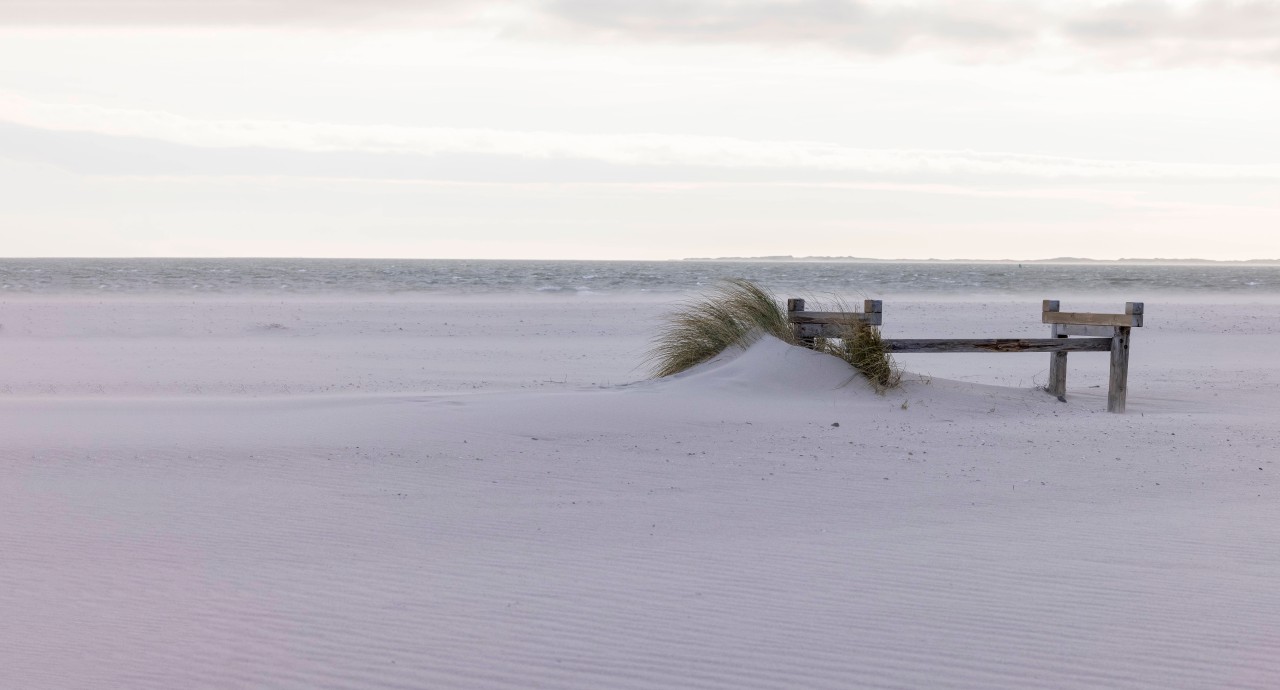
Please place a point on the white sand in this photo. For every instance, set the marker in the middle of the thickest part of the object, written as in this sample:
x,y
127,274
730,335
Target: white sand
x,y
362,496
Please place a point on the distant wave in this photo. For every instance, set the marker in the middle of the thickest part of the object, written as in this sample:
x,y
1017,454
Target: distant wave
x,y
391,276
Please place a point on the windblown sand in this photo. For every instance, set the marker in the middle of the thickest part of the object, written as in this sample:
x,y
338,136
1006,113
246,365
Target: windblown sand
x,y
485,493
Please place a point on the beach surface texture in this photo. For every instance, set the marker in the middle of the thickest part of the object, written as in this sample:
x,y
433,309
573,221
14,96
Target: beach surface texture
x,y
488,492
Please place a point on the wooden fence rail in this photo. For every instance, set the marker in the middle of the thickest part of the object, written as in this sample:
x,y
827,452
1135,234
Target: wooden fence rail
x,y
998,345
1102,333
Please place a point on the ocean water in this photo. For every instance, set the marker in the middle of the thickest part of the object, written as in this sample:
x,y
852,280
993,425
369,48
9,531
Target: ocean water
x,y
390,276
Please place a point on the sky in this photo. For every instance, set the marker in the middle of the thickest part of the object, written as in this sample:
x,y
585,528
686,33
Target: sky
x,y
611,129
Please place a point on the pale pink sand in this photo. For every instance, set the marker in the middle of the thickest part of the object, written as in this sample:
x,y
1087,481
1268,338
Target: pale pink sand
x,y
192,498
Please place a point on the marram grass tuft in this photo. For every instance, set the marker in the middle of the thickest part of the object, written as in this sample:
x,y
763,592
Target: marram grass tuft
x,y
862,346
738,311
732,314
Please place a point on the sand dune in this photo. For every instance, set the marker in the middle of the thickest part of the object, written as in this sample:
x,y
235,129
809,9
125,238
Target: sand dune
x,y
762,521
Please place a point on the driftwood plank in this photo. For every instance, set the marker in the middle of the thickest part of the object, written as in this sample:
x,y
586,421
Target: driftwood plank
x,y
834,317
807,331
1087,319
999,345
1065,329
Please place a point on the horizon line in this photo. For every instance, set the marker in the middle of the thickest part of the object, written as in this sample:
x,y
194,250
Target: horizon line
x,y
780,258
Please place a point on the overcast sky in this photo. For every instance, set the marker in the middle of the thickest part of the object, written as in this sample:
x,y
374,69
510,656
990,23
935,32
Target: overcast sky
x,y
623,129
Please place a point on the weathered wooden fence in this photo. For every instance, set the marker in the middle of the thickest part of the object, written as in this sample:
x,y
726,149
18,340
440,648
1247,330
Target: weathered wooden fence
x,y
1094,333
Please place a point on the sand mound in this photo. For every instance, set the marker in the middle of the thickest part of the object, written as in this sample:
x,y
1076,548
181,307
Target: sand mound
x,y
769,370
770,367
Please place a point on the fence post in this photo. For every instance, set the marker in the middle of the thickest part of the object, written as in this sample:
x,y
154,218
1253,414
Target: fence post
x,y
1118,384
1057,385
795,304
874,309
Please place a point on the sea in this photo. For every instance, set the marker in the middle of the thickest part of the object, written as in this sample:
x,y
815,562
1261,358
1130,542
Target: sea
x,y
240,276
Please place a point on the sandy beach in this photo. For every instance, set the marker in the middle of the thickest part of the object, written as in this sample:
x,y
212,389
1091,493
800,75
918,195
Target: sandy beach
x,y
325,331
488,492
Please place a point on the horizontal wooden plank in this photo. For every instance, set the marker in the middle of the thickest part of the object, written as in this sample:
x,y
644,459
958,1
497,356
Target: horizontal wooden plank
x,y
999,345
820,330
1077,329
868,305
834,317
1087,319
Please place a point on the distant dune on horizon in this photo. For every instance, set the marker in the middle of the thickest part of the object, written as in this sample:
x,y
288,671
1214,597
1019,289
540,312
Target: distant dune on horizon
x,y
1055,260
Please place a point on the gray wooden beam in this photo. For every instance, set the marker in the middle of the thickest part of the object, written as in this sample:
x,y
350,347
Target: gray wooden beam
x,y
1057,385
1087,319
1062,330
835,317
998,345
1118,381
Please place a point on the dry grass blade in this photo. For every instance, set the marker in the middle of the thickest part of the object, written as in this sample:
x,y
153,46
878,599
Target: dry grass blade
x,y
731,314
862,346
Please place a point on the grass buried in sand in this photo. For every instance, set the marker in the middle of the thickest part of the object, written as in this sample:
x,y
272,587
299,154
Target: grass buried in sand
x,y
737,312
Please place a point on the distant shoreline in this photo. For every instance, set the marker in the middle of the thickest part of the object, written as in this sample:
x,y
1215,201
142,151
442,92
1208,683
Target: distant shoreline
x,y
1061,261
1057,260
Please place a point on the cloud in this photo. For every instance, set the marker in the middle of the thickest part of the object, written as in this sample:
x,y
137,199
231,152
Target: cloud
x,y
1146,31
1153,31
591,156
212,12
1206,30
874,27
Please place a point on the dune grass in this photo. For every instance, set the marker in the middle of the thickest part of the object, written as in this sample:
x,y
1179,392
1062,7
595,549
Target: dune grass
x,y
862,346
736,312
731,314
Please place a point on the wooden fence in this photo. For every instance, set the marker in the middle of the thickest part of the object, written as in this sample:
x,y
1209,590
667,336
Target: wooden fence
x,y
1070,331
